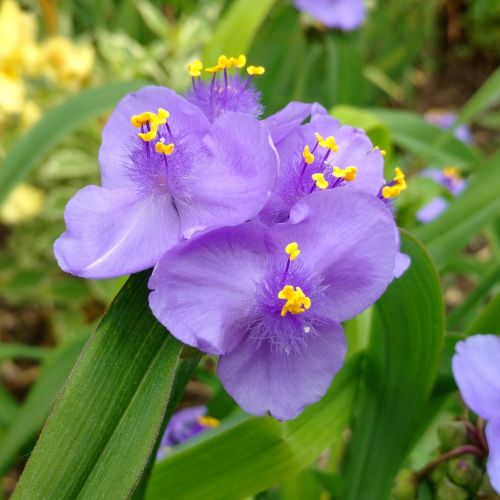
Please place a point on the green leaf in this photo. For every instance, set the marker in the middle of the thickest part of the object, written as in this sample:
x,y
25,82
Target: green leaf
x,y
485,98
236,30
32,414
8,408
22,351
466,215
488,320
246,454
57,123
401,366
102,430
429,143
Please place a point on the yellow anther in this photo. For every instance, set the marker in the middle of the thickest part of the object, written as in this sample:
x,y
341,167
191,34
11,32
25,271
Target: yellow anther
x,y
307,155
239,62
194,68
348,173
166,149
399,178
214,69
208,421
391,191
328,143
319,179
224,61
451,172
296,301
149,136
256,70
139,120
292,249
162,116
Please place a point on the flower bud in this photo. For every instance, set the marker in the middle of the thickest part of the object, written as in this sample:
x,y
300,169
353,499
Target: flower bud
x,y
452,435
464,471
446,490
405,486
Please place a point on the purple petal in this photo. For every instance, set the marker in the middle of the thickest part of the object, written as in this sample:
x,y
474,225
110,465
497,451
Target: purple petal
x,y
476,368
264,379
493,439
349,237
113,232
114,154
432,210
183,426
343,14
200,287
403,262
287,119
233,183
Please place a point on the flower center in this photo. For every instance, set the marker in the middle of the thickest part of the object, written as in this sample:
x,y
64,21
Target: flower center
x,y
394,188
296,302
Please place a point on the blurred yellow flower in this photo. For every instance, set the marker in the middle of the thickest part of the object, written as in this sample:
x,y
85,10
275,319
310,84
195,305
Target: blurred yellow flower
x,y
12,95
23,203
66,63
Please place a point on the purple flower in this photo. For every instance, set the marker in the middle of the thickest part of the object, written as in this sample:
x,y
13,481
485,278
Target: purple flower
x,y
323,155
476,367
184,425
167,172
446,120
346,15
229,87
432,210
269,300
449,178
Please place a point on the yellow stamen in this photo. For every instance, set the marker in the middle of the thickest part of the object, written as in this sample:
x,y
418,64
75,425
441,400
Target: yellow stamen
x,y
166,149
149,136
328,143
214,69
348,173
451,172
256,70
205,421
292,249
307,155
319,179
153,119
391,191
139,120
194,68
296,301
399,178
239,62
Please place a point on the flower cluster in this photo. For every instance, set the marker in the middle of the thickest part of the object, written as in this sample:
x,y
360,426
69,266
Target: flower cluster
x,y
264,235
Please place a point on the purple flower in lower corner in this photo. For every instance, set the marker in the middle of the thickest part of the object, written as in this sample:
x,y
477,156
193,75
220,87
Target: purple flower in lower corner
x,y
476,368
269,300
184,425
167,172
346,15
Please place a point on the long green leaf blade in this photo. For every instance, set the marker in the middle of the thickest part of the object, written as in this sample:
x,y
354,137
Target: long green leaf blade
x,y
401,366
248,454
98,439
237,29
57,123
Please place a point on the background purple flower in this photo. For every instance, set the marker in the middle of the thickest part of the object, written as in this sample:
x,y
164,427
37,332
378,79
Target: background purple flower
x,y
184,425
432,210
476,367
225,293
342,14
446,120
183,176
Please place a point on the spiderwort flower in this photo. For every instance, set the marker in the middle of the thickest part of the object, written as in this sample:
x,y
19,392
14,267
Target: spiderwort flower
x,y
184,425
166,173
323,155
346,15
449,178
476,368
269,300
230,87
446,120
